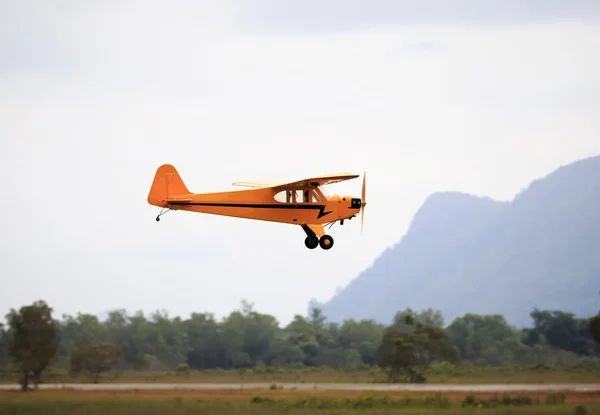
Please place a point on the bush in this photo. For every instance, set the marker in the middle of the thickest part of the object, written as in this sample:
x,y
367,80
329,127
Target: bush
x,y
53,374
182,368
494,401
363,402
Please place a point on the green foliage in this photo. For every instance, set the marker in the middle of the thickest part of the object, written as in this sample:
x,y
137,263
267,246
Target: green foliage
x,y
408,354
3,348
362,402
406,320
72,404
182,369
247,341
495,401
556,398
561,330
32,343
486,340
94,358
594,327
579,410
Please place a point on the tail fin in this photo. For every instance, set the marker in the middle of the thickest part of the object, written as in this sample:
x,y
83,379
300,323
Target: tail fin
x,y
167,185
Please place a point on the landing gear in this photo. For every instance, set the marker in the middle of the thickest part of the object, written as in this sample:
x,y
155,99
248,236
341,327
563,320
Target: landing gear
x,y
162,212
311,242
312,239
326,242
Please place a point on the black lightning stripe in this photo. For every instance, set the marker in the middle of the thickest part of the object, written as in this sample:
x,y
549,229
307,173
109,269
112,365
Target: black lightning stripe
x,y
320,208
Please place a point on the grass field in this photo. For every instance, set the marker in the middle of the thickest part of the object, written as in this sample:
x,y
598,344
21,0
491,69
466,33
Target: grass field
x,y
442,375
66,402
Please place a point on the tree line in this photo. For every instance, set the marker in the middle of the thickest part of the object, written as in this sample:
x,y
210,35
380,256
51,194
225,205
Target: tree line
x,y
33,340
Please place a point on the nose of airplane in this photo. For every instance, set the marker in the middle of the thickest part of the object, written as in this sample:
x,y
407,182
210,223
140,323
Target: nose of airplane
x,y
355,202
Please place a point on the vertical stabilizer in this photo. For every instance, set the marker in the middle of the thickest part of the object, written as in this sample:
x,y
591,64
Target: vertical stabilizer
x,y
167,185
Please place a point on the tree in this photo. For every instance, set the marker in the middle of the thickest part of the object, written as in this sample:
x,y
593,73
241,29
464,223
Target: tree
x,y
409,354
202,331
131,335
486,339
404,320
3,345
95,359
33,343
594,325
77,331
560,330
363,335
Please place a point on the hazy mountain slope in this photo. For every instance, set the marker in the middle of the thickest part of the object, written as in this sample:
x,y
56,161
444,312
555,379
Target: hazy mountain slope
x,y
466,254
441,228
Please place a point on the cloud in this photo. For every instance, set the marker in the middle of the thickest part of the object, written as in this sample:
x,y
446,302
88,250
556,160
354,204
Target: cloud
x,y
312,16
102,95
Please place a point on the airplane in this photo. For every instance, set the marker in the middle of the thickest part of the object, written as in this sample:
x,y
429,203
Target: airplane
x,y
300,202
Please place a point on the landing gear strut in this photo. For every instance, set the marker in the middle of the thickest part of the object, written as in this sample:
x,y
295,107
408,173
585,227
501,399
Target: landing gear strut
x,y
312,240
162,212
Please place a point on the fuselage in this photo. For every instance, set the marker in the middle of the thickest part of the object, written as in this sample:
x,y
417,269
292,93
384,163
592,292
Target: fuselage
x,y
300,205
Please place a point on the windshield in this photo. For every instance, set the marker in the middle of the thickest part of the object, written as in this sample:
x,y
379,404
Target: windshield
x,y
325,192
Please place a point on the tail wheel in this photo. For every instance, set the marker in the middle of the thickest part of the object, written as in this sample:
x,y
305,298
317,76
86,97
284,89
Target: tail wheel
x,y
311,242
326,242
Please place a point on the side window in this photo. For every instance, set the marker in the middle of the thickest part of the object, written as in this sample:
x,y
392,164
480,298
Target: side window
x,y
281,196
298,196
285,196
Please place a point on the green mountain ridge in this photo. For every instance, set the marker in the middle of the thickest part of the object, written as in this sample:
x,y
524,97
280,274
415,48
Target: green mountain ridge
x,y
467,254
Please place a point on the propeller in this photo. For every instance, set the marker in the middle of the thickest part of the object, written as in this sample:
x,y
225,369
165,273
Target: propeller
x,y
364,202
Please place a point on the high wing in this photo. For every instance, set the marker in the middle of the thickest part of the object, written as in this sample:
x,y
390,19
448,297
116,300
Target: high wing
x,y
253,184
314,181
321,180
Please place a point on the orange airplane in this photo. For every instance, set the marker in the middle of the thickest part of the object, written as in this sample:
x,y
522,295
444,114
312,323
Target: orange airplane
x,y
300,202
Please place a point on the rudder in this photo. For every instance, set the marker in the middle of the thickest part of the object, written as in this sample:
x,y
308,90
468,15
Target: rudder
x,y
166,185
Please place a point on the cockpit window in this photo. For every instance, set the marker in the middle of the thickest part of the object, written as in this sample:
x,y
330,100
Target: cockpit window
x,y
283,196
298,196
325,193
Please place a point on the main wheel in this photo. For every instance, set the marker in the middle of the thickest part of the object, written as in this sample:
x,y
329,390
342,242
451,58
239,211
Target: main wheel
x,y
326,242
311,242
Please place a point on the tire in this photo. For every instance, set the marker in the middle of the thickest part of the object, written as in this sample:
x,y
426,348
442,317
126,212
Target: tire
x,y
326,242
311,242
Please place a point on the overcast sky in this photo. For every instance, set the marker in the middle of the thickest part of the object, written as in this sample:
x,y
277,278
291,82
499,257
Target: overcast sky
x,y
94,96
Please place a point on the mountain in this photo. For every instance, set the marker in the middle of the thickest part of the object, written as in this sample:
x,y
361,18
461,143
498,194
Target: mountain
x,y
465,254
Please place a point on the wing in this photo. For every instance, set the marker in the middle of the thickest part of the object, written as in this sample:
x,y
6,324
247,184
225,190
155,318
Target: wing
x,y
253,184
320,180
314,181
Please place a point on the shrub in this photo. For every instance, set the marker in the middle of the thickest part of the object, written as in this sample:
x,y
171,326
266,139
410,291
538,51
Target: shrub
x,y
182,368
